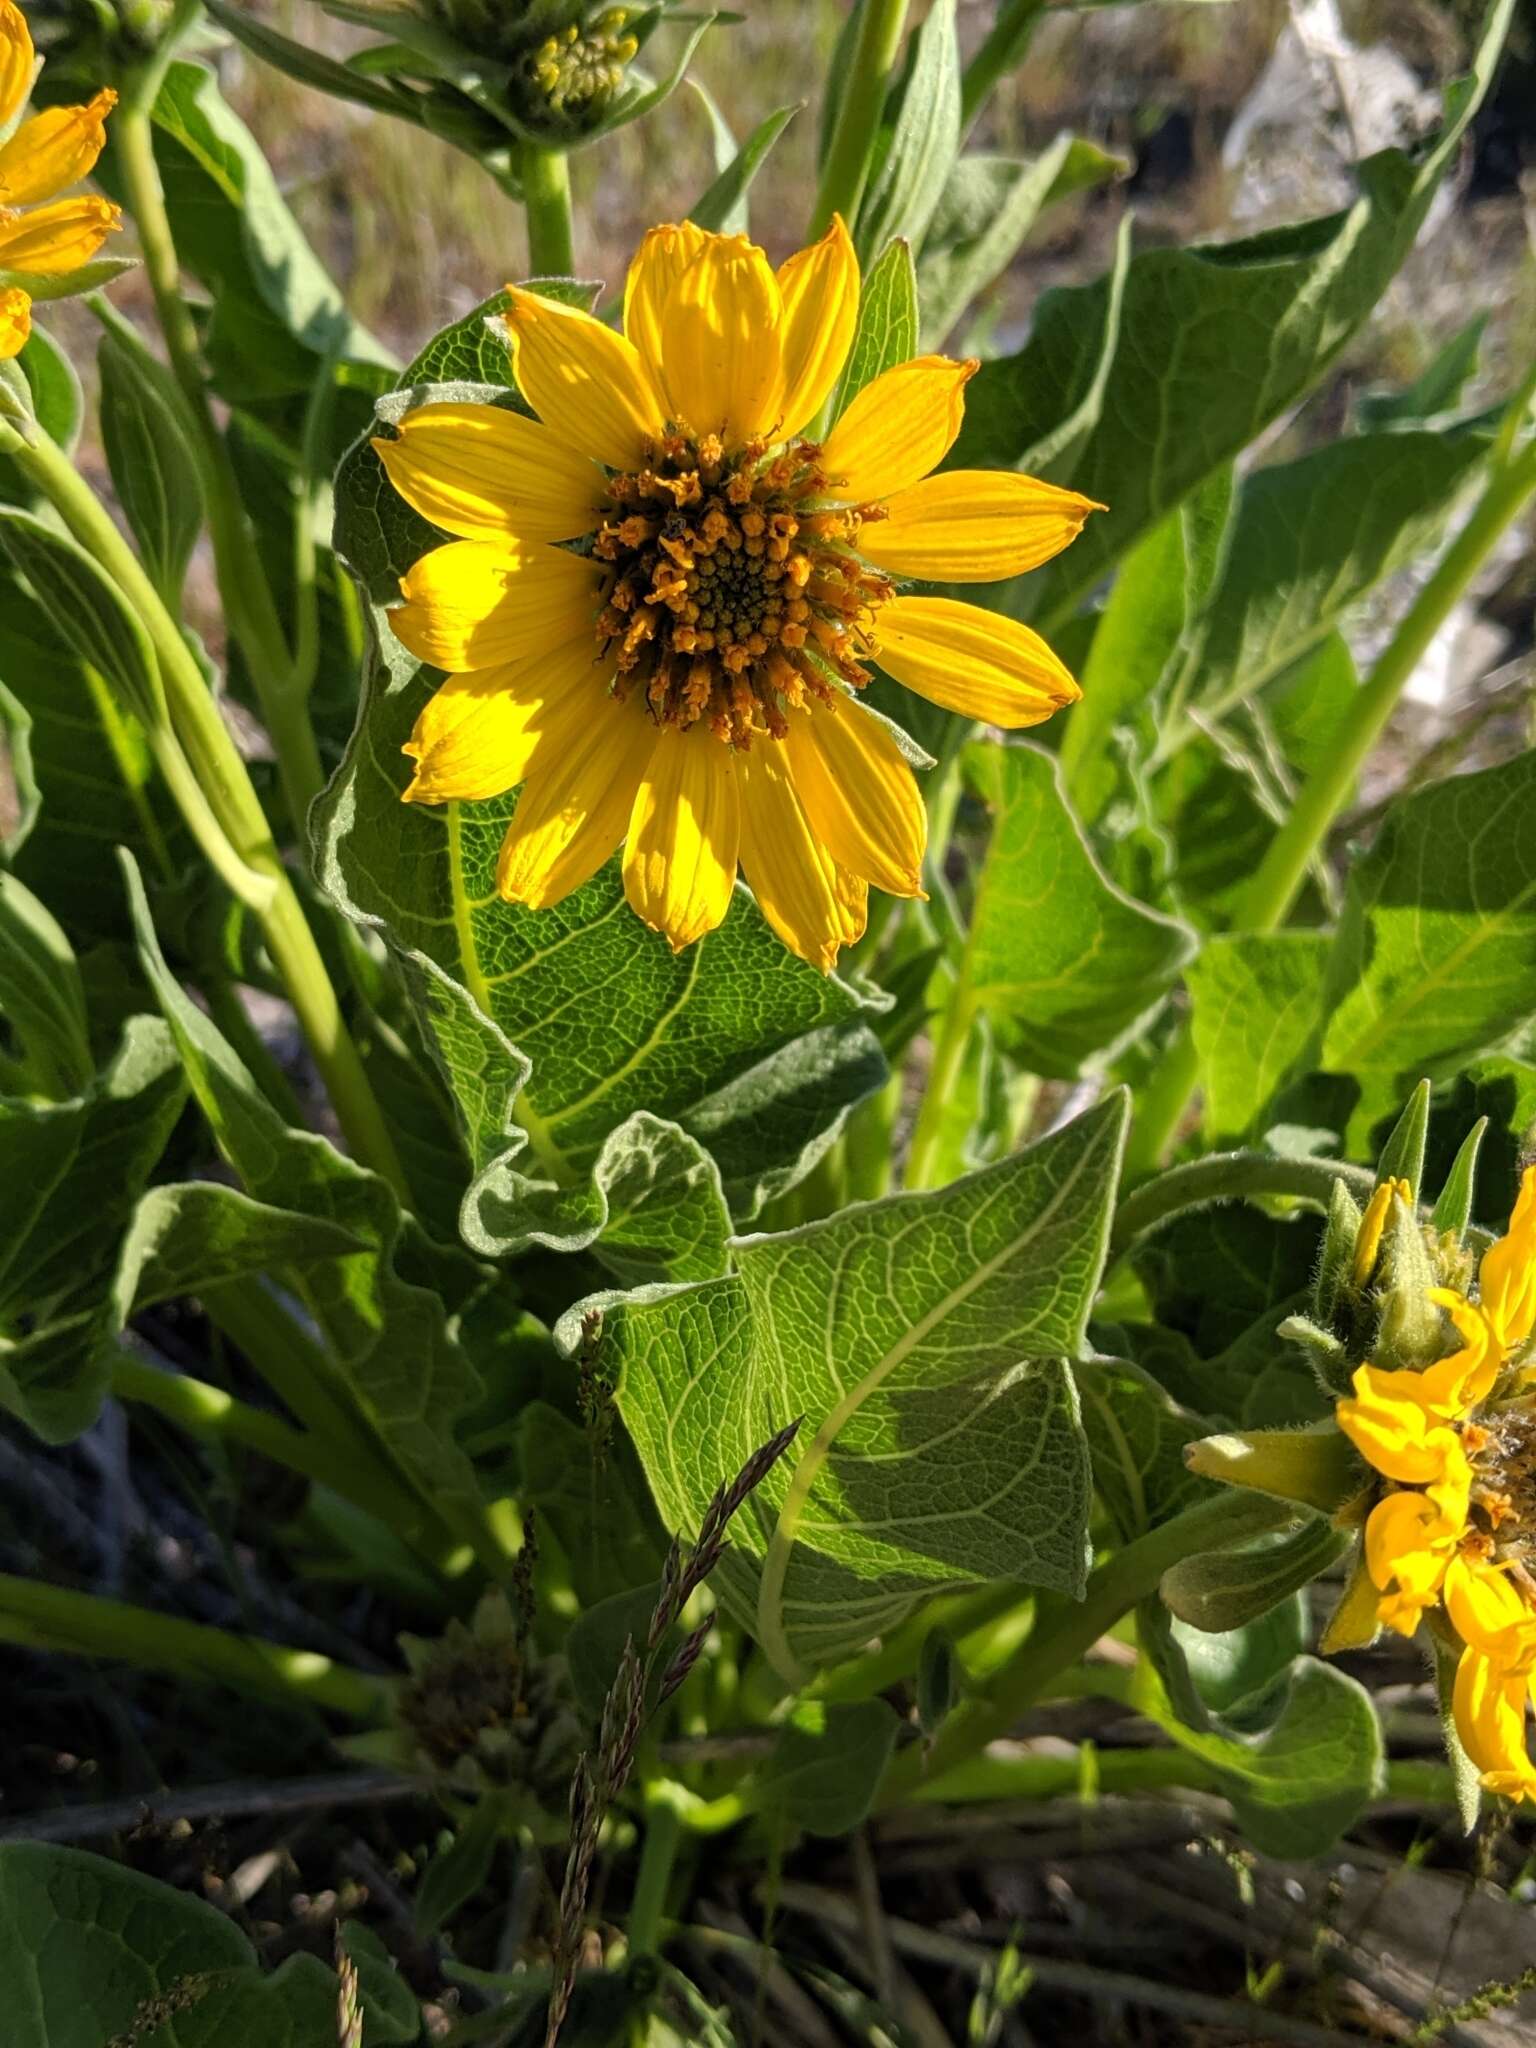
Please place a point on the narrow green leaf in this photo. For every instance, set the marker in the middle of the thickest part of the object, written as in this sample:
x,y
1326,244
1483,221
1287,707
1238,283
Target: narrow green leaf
x,y
722,208
940,1681
1436,390
887,329
87,610
454,1874
42,997
1402,1156
1453,1205
154,470
1065,964
920,138
926,1340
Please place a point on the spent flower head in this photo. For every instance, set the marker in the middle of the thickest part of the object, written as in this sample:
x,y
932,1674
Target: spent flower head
x,y
668,589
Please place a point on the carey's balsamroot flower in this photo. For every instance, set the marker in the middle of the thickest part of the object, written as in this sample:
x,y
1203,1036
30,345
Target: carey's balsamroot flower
x,y
43,157
1453,1535
665,596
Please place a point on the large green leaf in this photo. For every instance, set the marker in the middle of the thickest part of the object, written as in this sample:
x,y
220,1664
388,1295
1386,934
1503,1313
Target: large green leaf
x,y
1312,536
1063,963
1256,999
826,1765
1205,347
926,1342
1435,958
1307,1772
1136,1433
276,309
92,1952
398,1359
580,1112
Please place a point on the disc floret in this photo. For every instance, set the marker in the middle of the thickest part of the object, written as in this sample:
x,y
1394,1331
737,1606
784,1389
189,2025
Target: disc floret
x,y
736,591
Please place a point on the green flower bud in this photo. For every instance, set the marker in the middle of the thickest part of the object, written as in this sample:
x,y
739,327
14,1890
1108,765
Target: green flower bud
x,y
566,59
484,1712
1316,1466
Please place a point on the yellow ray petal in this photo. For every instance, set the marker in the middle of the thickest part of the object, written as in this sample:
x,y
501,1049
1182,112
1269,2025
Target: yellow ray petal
x,y
819,289
48,241
479,734
469,605
684,835
55,148
1408,1544
721,359
971,661
663,256
18,59
492,475
574,809
974,526
1507,1275
897,429
1393,1430
1488,1613
582,379
859,795
15,321
796,883
1488,1703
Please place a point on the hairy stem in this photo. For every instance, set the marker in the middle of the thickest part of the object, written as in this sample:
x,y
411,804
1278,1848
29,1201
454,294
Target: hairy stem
x,y
546,179
1225,1177
1130,1575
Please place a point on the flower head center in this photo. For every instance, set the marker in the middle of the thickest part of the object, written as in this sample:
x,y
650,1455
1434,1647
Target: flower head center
x,y
736,592
1501,1447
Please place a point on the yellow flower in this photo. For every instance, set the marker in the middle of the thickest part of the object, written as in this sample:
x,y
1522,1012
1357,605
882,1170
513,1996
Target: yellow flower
x,y
663,597
52,150
1453,1533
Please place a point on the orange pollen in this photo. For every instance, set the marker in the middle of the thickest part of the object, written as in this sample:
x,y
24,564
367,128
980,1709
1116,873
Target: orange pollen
x,y
734,592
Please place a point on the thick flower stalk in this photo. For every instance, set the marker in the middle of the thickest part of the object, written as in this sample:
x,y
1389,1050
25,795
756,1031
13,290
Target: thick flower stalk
x,y
1443,1481
665,595
43,238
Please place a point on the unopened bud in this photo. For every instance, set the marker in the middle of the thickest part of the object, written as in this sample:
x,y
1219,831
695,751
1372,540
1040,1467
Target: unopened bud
x,y
1317,1466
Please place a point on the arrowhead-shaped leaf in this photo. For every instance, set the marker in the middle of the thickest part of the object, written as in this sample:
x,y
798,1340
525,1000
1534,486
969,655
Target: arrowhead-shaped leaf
x,y
926,1340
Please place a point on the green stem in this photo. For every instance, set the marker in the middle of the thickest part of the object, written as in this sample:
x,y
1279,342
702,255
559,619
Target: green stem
x,y
858,120
248,602
897,1657
210,1413
546,176
948,1057
1278,881
1002,48
1130,1575
89,1626
223,780
663,1832
987,1778
1272,891
1226,1177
